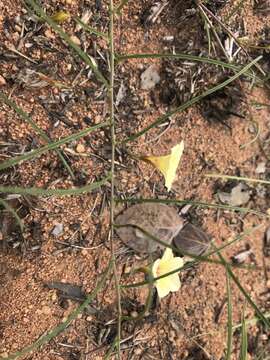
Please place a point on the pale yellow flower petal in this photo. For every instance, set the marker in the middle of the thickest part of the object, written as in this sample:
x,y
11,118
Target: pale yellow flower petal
x,y
155,268
168,164
168,254
163,266
170,265
162,288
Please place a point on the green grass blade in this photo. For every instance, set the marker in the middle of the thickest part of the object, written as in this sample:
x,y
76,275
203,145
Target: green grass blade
x,y
90,29
229,316
88,61
243,291
42,133
13,212
180,56
54,145
194,203
252,321
191,102
34,191
244,342
240,178
60,328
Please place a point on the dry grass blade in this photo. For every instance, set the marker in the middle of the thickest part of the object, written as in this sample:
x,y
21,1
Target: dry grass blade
x,y
49,192
54,145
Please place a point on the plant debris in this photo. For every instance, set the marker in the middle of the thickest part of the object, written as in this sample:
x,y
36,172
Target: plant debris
x,y
149,78
192,240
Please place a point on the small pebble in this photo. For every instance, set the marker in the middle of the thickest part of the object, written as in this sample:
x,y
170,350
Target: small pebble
x,y
4,355
138,351
58,229
75,39
49,34
80,148
134,314
260,169
2,81
46,310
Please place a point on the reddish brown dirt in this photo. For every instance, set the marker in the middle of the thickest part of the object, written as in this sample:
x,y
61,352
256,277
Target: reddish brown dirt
x,y
189,324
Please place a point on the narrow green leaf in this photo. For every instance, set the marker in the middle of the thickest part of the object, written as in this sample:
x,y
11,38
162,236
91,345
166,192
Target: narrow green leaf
x,y
258,312
42,133
49,192
54,145
90,29
240,178
193,203
88,61
252,321
180,56
13,212
191,102
244,343
229,312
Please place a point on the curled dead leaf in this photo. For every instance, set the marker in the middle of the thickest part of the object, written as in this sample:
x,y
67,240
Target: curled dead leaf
x,y
160,220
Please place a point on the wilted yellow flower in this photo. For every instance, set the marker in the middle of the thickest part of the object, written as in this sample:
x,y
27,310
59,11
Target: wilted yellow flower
x,y
168,164
163,266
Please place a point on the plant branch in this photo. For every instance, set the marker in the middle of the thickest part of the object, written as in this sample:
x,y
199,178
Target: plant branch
x,y
112,127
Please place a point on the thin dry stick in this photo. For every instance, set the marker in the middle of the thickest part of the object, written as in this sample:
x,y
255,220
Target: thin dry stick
x,y
111,105
225,28
214,31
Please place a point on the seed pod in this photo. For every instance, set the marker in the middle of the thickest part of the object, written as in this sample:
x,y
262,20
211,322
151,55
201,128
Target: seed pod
x,y
192,240
159,220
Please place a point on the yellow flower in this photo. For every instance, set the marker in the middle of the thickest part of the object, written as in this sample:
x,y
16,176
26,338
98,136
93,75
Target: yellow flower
x,y
167,164
163,266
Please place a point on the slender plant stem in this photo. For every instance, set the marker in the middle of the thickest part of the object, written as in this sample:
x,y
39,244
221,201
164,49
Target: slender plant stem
x,y
240,178
112,126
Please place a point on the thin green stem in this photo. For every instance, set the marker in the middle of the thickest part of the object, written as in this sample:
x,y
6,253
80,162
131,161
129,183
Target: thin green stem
x,y
229,317
194,203
54,145
180,56
112,205
34,191
243,291
240,178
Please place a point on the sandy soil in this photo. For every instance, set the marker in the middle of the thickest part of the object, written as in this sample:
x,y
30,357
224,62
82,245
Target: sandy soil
x,y
188,324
